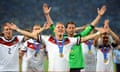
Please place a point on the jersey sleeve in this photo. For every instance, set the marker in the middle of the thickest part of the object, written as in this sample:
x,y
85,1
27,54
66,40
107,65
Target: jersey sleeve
x,y
20,38
24,46
52,27
43,38
85,32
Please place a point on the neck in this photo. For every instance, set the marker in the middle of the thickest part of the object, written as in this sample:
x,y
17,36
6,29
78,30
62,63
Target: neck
x,y
105,44
59,37
70,35
8,37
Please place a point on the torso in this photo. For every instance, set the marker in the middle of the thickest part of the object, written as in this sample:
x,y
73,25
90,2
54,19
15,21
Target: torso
x,y
9,53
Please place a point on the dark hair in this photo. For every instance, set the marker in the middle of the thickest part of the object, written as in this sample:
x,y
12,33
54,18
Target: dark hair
x,y
70,23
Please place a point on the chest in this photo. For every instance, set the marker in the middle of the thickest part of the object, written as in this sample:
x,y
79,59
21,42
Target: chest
x,y
8,50
55,48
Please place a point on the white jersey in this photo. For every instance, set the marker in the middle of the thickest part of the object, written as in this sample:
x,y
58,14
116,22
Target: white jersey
x,y
9,53
102,65
33,61
56,62
89,56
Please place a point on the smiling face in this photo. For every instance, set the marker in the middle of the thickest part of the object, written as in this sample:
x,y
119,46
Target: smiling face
x,y
70,29
105,38
59,29
7,31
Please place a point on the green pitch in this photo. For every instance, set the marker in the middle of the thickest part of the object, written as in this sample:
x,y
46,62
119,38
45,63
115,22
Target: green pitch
x,y
46,65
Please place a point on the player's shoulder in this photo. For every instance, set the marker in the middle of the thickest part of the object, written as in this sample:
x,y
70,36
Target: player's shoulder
x,y
45,36
19,36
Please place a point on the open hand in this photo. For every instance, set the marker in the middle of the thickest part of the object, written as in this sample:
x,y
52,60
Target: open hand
x,y
102,10
12,26
46,9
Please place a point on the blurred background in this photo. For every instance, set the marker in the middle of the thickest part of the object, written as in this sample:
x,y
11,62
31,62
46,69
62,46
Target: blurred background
x,y
25,13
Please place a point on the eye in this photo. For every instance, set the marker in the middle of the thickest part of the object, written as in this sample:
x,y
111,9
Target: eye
x,y
69,27
7,29
62,27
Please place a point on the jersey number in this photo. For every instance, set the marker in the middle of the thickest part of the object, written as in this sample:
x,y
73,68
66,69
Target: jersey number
x,y
9,50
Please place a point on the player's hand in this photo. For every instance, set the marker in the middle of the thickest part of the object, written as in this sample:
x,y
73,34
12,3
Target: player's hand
x,y
46,9
47,25
102,10
12,26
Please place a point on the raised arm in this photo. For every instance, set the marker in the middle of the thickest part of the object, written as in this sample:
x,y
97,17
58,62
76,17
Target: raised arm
x,y
114,36
102,30
95,41
101,12
29,34
46,11
89,28
86,31
80,28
